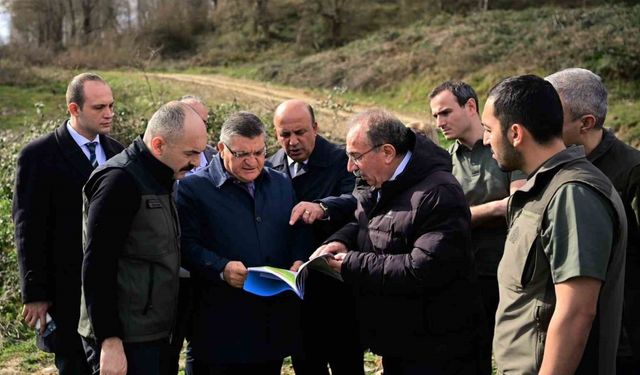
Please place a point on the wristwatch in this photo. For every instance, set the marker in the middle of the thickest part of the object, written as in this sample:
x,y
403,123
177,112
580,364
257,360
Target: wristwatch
x,y
325,209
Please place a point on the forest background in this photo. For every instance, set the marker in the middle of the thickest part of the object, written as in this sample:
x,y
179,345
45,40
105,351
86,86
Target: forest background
x,y
341,55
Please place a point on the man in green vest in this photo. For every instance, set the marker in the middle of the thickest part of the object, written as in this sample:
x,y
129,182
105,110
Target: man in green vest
x,y
562,273
454,106
584,100
131,239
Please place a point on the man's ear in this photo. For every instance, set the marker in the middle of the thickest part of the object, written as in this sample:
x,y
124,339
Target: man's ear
x,y
587,123
472,106
73,109
389,152
516,134
220,146
157,145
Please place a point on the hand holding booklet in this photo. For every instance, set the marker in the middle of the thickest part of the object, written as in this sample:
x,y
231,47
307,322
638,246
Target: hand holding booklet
x,y
268,281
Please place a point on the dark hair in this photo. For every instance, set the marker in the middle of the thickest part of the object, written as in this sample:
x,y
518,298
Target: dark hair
x,y
462,91
531,101
75,90
243,124
384,128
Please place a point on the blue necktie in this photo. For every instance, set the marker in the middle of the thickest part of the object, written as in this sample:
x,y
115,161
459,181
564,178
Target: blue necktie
x,y
91,146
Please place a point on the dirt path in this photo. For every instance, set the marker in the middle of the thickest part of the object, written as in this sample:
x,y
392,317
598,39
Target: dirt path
x,y
271,95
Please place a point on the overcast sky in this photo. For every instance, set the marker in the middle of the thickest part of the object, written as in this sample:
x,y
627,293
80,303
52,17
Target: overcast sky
x,y
4,25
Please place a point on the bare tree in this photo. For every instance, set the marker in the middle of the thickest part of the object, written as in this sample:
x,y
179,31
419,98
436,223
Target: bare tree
x,y
334,13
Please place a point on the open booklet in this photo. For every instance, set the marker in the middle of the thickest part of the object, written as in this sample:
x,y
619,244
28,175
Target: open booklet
x,y
268,281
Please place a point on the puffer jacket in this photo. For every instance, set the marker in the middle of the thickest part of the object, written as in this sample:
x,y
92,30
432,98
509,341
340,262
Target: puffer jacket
x,y
410,263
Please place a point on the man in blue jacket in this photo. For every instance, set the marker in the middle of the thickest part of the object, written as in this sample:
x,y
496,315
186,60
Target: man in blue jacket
x,y
235,215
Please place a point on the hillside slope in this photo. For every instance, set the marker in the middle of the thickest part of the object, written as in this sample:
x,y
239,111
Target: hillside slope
x,y
397,67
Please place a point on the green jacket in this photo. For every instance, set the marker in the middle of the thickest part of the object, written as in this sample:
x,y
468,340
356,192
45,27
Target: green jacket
x,y
529,267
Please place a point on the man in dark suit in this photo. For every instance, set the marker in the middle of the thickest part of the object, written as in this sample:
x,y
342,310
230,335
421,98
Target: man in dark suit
x,y
47,212
323,186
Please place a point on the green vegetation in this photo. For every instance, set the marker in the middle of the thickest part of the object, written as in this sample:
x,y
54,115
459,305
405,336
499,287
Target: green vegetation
x,y
396,67
22,121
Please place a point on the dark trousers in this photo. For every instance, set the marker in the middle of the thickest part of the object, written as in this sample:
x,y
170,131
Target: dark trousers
x,y
399,366
488,286
627,366
181,331
262,368
142,358
73,363
326,297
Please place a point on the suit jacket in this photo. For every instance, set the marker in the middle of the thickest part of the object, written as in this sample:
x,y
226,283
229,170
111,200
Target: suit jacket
x,y
221,222
325,180
47,213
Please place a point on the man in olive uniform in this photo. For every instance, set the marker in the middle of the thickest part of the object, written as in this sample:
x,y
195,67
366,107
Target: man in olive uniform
x,y
454,106
561,277
584,100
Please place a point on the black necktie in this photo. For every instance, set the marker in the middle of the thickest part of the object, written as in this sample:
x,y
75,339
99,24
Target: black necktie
x,y
91,146
299,168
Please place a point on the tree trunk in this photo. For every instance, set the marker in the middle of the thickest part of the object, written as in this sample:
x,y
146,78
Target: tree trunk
x,y
72,15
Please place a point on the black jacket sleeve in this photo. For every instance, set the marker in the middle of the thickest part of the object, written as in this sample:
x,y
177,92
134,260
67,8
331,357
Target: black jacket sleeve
x,y
114,200
31,213
439,252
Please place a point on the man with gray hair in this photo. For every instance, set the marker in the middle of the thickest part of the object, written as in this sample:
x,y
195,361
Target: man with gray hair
x,y
584,102
131,240
235,214
408,257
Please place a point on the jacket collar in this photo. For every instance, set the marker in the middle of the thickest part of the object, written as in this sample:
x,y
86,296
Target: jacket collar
x,y
607,141
458,146
555,162
219,176
161,172
72,152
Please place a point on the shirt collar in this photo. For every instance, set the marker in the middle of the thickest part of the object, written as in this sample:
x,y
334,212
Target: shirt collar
x,y
78,138
291,161
401,166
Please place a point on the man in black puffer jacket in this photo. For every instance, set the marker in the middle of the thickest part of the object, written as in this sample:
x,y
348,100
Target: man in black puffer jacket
x,y
408,256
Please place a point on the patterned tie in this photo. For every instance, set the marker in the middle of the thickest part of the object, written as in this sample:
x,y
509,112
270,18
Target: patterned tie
x,y
91,146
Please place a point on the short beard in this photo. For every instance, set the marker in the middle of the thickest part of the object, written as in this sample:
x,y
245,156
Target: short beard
x,y
511,158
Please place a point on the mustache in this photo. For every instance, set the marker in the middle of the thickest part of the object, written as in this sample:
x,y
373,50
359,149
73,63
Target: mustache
x,y
357,173
187,167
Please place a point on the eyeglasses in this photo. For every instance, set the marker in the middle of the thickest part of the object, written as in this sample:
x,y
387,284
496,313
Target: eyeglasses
x,y
245,155
355,158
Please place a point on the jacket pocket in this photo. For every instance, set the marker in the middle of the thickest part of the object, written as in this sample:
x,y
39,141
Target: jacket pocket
x,y
516,266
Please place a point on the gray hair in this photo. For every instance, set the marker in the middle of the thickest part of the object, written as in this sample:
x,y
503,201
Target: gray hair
x,y
243,124
582,92
384,128
168,122
75,90
194,98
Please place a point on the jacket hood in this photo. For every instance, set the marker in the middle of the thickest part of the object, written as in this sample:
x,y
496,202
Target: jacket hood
x,y
426,158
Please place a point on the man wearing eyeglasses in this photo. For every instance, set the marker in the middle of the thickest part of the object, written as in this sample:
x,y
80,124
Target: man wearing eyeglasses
x,y
235,215
408,256
323,186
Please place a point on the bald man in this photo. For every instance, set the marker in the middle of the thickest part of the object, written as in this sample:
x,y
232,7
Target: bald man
x,y
323,186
